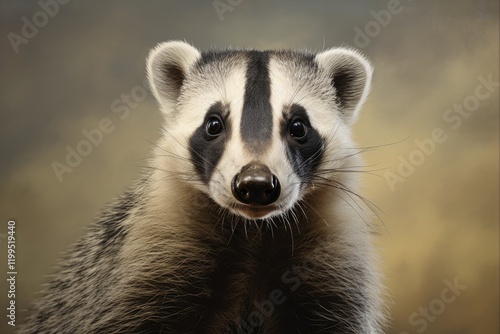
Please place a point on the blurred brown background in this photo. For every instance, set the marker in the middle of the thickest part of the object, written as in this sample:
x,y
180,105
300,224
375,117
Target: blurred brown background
x,y
440,197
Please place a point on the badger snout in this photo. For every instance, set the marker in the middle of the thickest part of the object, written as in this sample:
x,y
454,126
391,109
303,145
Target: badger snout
x,y
255,184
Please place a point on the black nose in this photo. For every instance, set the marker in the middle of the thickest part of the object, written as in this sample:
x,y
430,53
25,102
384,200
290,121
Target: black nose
x,y
256,185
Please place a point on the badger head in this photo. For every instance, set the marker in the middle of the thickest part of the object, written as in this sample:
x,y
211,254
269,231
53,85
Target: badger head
x,y
257,130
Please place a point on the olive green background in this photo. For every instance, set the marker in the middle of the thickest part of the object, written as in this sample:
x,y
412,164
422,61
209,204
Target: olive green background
x,y
441,223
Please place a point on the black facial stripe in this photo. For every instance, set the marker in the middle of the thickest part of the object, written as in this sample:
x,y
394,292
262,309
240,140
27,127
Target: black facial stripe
x,y
304,156
205,150
257,117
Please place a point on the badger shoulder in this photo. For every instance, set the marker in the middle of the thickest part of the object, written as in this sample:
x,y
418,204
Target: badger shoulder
x,y
77,294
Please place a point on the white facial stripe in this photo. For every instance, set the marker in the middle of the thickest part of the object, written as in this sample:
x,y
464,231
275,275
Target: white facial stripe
x,y
201,91
292,84
226,86
230,90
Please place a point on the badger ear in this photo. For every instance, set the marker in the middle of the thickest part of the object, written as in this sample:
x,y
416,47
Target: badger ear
x,y
167,66
350,74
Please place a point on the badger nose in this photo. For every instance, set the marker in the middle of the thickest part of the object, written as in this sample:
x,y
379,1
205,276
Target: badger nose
x,y
255,184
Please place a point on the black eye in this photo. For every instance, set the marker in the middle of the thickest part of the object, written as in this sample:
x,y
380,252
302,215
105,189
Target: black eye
x,y
298,129
214,126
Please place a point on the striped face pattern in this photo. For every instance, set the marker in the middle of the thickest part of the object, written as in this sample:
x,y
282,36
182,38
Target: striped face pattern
x,y
256,127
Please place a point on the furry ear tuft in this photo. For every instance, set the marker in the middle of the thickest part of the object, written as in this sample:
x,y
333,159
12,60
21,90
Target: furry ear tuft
x,y
167,66
350,75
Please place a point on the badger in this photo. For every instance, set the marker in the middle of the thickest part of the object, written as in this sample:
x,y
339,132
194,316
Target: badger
x,y
247,219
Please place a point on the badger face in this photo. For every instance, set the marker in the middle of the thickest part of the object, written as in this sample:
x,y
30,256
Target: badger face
x,y
256,130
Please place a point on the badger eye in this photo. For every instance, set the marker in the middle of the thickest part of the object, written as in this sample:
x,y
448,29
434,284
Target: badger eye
x,y
214,126
298,129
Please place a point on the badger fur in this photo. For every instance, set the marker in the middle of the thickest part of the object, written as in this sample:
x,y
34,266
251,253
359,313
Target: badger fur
x,y
247,220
